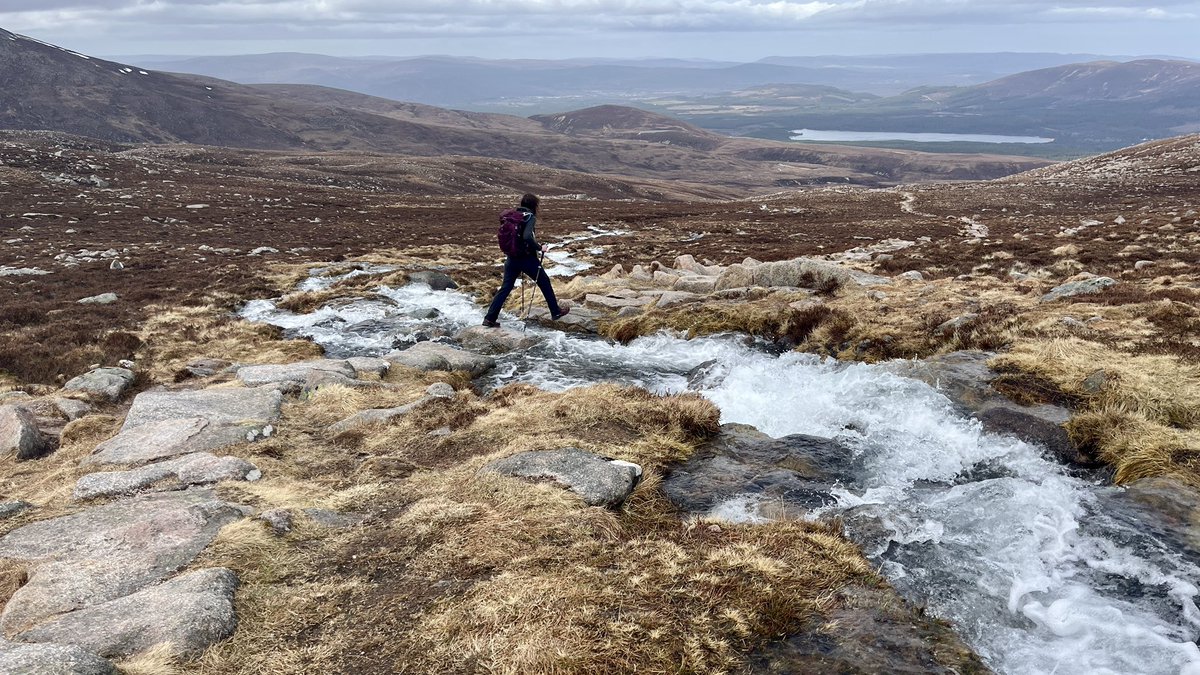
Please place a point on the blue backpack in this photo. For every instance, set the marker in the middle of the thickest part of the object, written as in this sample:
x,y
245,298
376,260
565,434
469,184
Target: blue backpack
x,y
511,223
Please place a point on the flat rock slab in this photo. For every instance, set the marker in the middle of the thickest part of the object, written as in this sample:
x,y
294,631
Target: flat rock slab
x,y
150,442
484,340
50,659
107,552
600,481
190,613
292,373
438,356
195,469
581,319
182,422
19,434
675,299
107,383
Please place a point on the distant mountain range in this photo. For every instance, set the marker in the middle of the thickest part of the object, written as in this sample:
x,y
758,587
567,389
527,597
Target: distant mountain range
x,y
1085,107
44,87
531,86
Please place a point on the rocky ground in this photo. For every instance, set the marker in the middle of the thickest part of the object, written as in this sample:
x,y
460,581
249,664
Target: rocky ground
x,y
210,498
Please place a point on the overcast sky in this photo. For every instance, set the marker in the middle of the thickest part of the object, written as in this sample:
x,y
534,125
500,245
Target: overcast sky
x,y
716,29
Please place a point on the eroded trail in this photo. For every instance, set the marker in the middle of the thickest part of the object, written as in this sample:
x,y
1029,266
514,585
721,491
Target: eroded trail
x,y
1040,571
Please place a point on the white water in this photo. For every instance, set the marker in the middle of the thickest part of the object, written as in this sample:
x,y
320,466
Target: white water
x,y
1037,570
849,136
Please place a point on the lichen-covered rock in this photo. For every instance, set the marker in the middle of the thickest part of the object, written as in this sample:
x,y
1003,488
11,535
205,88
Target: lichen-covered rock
x,y
107,383
1076,288
19,434
189,613
599,481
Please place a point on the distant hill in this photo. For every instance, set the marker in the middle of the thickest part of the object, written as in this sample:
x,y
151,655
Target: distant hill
x,y
533,86
1086,107
43,87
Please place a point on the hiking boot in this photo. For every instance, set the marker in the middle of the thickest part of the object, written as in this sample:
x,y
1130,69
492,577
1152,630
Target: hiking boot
x,y
491,324
563,311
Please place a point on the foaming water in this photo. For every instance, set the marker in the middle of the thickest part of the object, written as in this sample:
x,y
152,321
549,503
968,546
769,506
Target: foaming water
x,y
1040,571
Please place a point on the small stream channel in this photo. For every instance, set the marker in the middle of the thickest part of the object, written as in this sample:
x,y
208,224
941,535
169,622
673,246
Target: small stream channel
x,y
1038,570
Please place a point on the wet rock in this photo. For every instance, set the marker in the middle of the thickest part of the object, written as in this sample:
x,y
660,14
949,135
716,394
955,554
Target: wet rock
x,y
102,299
296,373
437,356
71,408
868,630
13,508
108,552
50,659
1077,288
108,383
599,481
707,375
796,470
368,365
965,379
20,436
1041,425
424,313
580,320
438,281
190,613
675,298
196,469
484,340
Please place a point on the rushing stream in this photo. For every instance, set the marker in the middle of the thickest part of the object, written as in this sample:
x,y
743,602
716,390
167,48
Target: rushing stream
x,y
1039,571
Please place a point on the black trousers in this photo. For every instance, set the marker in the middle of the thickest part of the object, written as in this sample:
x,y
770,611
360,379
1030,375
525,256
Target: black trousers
x,y
515,267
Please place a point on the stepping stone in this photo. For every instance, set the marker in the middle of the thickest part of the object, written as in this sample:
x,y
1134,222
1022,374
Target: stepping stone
x,y
438,356
196,469
190,613
484,340
108,552
149,442
600,481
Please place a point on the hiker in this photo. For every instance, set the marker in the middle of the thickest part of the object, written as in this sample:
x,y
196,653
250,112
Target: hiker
x,y
522,258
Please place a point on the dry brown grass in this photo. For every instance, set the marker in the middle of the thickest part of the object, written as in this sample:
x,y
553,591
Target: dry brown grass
x,y
462,572
48,482
1141,411
173,336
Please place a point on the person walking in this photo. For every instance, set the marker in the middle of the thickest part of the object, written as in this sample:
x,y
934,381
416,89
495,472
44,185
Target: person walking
x,y
525,261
